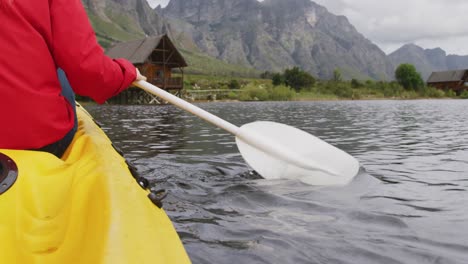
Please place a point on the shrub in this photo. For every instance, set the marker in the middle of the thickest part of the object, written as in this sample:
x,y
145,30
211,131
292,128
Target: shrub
x,y
344,91
450,93
280,93
356,83
337,75
464,94
277,79
232,95
234,84
298,79
338,89
253,93
392,89
428,91
266,75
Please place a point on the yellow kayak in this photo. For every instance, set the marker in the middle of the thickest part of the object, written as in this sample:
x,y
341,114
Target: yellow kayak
x,y
84,208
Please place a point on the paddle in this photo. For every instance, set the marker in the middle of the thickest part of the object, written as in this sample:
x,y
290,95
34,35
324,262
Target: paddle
x,y
276,150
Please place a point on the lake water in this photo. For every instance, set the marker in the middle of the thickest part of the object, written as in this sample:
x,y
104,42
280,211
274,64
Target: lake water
x,y
409,203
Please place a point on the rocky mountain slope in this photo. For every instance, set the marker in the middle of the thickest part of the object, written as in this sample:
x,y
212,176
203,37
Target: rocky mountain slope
x,y
277,34
428,60
117,20
270,35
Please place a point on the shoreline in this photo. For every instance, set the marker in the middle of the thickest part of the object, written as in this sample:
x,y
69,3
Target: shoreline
x,y
329,99
86,103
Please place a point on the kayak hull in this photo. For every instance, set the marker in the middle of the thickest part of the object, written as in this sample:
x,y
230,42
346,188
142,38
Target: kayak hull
x,y
83,208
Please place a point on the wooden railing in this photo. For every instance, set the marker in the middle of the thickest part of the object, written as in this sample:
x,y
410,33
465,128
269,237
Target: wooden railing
x,y
216,94
172,83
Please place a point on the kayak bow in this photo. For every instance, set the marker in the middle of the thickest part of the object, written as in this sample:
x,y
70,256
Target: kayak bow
x,y
83,208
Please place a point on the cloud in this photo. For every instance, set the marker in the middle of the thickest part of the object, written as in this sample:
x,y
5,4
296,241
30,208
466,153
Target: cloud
x,y
155,3
390,24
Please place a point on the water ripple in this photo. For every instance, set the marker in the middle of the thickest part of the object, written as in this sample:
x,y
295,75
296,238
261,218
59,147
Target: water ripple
x,y
407,205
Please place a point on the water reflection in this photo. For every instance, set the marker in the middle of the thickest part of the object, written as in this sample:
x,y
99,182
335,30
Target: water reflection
x,y
407,205
141,130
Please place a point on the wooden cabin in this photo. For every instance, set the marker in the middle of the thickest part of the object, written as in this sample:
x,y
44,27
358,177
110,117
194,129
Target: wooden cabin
x,y
456,81
155,57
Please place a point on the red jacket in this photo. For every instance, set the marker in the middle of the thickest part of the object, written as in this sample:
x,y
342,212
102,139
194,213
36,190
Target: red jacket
x,y
37,37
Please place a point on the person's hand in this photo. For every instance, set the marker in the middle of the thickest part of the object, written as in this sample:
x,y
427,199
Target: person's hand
x,y
139,77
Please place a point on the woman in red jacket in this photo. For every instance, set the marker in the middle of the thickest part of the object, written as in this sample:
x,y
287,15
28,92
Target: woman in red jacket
x,y
37,38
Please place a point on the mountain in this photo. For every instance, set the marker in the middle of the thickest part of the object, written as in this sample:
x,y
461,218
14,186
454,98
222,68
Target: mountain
x,y
120,20
270,35
425,61
277,34
455,62
428,60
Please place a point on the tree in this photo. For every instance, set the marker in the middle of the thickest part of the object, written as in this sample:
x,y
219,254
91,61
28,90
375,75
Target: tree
x,y
266,75
234,84
277,79
356,83
407,76
298,79
337,75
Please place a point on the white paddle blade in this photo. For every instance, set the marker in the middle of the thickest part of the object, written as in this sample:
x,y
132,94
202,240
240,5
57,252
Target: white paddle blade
x,y
329,165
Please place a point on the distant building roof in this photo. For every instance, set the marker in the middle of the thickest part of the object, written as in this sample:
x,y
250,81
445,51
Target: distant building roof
x,y
446,76
138,51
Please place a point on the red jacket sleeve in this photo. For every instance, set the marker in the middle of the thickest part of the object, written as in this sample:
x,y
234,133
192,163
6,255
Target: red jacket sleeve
x,y
76,50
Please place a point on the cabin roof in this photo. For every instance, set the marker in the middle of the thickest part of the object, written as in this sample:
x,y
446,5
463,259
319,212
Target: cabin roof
x,y
446,76
138,51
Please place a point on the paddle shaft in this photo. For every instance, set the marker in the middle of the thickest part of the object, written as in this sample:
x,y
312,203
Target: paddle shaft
x,y
210,118
250,138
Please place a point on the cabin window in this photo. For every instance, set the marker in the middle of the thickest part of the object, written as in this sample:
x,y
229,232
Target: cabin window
x,y
465,84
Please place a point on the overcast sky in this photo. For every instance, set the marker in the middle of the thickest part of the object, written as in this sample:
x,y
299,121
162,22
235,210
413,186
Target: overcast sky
x,y
392,23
